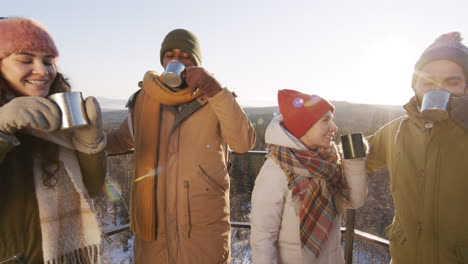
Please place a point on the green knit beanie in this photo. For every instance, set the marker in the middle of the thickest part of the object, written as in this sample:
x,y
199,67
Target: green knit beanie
x,y
184,40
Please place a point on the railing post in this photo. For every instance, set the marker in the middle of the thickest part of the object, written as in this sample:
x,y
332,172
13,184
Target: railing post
x,y
349,235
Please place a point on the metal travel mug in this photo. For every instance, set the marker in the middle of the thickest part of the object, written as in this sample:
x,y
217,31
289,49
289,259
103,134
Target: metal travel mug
x,y
71,105
173,73
434,105
353,146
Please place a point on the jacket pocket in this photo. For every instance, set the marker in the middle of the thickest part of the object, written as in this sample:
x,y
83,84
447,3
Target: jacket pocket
x,y
189,216
397,237
17,259
396,233
211,181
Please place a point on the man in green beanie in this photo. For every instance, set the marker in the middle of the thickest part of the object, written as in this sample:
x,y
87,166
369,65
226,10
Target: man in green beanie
x,y
427,160
182,135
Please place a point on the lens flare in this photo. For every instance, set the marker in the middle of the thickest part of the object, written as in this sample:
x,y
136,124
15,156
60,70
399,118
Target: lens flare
x,y
313,100
112,192
298,102
151,173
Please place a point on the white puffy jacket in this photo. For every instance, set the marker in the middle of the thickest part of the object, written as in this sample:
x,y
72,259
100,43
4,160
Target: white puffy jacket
x,y
275,219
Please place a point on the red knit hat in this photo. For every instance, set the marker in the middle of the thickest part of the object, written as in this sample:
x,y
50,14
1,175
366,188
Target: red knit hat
x,y
301,111
19,34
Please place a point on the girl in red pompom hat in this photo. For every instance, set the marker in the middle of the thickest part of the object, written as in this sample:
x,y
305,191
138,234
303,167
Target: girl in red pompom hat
x,y
303,186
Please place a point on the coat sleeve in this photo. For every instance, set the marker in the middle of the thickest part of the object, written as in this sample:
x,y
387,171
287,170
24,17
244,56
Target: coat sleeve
x,y
268,198
356,177
236,128
121,139
378,145
93,171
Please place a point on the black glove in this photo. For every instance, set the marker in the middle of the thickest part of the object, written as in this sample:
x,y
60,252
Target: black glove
x,y
459,110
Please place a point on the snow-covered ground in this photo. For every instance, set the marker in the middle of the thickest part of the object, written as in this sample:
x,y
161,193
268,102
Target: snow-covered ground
x,y
118,250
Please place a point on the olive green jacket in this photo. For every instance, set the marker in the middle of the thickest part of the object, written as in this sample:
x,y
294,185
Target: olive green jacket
x,y
429,183
19,213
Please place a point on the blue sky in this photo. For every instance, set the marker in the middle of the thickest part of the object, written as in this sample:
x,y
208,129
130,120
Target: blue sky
x,y
356,51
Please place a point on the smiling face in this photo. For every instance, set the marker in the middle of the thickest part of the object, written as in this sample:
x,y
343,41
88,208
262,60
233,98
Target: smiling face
x,y
29,73
440,74
321,133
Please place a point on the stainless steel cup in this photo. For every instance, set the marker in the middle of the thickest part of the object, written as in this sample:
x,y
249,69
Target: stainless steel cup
x,y
434,105
353,146
71,105
173,73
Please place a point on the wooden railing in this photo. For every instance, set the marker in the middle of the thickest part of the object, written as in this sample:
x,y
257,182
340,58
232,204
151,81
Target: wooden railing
x,y
349,231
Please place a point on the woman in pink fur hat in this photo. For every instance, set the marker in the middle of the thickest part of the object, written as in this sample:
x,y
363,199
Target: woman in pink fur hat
x,y
46,175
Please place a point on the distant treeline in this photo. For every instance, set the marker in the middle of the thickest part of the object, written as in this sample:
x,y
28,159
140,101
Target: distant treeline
x,y
349,118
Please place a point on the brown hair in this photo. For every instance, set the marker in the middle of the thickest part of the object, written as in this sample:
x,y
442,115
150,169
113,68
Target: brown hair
x,y
30,145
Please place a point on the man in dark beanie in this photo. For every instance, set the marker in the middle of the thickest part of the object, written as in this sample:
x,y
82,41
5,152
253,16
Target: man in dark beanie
x,y
182,136
427,161
183,40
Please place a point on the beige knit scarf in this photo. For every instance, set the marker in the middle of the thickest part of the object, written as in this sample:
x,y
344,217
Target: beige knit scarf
x,y
69,228
143,205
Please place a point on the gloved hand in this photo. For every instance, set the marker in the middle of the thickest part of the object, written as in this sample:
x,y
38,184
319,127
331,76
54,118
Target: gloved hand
x,y
198,78
92,134
29,111
459,110
356,177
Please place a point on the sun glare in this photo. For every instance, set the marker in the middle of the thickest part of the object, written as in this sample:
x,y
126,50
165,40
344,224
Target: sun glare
x,y
385,72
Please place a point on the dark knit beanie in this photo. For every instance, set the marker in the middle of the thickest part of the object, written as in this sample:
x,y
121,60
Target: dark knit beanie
x,y
301,111
446,47
184,40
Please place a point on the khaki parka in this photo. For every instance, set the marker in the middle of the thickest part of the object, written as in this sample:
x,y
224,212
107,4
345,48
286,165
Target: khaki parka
x,y
428,167
193,181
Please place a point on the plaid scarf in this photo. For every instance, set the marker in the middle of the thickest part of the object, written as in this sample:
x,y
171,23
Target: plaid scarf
x,y
315,178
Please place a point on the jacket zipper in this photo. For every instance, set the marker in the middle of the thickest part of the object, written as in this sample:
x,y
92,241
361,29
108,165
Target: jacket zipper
x,y
156,213
436,193
436,206
421,212
186,186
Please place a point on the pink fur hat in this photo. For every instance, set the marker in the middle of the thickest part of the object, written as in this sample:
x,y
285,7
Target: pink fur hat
x,y
19,34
